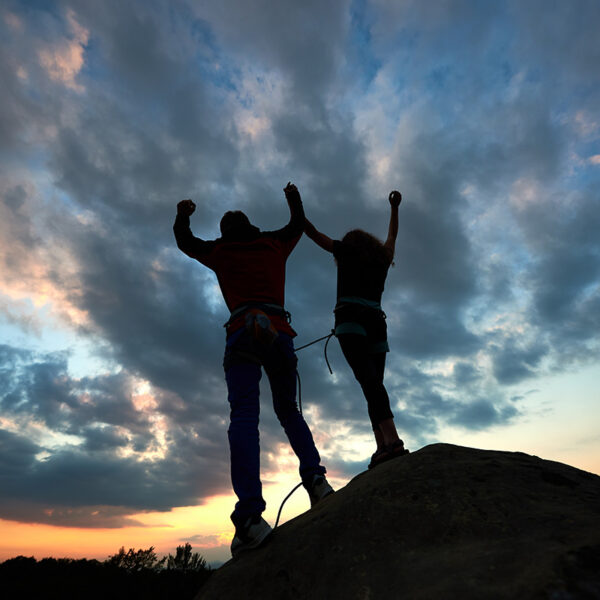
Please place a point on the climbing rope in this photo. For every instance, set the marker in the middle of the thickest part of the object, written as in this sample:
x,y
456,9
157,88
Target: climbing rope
x,y
329,336
284,501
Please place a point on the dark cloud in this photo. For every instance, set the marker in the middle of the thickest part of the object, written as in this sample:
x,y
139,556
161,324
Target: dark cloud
x,y
563,278
480,414
105,438
433,259
421,332
515,361
69,516
424,403
560,37
285,38
464,373
17,453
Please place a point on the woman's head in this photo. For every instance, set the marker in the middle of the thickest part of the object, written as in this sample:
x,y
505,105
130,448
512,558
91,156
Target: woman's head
x,y
368,246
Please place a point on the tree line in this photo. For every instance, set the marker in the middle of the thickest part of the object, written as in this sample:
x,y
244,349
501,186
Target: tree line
x,y
127,574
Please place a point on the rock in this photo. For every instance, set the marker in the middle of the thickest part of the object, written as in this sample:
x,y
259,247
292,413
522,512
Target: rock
x,y
445,522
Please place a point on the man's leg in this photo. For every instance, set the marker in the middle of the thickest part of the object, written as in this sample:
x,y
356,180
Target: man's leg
x,y
243,378
280,367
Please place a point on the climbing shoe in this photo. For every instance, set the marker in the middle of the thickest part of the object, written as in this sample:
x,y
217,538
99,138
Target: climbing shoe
x,y
376,457
251,535
318,488
384,454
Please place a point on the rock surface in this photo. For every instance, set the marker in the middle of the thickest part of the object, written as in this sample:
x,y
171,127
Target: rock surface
x,y
444,522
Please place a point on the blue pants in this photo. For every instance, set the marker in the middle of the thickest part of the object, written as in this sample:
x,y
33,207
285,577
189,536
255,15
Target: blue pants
x,y
244,358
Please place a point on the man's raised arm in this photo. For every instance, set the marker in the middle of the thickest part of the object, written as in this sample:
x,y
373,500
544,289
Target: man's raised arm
x,y
186,241
296,222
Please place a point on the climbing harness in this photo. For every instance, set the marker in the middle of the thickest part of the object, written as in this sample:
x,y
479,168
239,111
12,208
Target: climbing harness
x,y
259,326
266,308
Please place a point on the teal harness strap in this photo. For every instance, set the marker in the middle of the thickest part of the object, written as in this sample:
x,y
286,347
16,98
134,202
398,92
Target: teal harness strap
x,y
357,300
351,327
379,347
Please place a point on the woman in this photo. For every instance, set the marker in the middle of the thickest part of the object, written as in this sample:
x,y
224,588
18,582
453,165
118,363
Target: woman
x,y
362,264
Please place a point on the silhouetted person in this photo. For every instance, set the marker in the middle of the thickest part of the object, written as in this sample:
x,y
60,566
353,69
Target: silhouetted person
x,y
362,267
250,268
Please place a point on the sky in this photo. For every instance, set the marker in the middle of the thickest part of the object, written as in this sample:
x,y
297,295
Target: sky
x,y
113,407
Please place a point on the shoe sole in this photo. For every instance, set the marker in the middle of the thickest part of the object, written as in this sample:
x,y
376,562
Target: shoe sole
x,y
388,457
254,544
313,503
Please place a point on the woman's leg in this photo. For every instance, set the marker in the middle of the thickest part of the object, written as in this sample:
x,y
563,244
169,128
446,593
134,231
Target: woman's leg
x,y
368,370
386,426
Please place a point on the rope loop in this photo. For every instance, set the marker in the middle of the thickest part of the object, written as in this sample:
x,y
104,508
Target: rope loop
x,y
328,336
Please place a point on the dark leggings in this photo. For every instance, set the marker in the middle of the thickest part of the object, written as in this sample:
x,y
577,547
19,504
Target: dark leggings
x,y
368,370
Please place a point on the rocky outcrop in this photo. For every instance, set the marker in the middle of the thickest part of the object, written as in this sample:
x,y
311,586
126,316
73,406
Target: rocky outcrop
x,y
445,522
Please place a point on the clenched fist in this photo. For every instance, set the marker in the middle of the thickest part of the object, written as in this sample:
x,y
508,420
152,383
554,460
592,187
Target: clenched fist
x,y
395,198
185,208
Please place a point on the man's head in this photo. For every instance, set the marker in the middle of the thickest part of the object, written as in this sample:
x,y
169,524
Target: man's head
x,y
233,219
235,225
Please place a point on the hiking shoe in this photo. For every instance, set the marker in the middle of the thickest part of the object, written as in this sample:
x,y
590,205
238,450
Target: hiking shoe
x,y
253,533
318,488
387,453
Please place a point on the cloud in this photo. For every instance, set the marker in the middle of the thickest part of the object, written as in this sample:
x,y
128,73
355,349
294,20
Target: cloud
x,y
65,60
562,37
514,362
204,541
563,277
284,38
103,451
481,414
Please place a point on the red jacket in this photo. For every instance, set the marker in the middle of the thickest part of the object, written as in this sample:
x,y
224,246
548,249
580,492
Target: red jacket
x,y
252,270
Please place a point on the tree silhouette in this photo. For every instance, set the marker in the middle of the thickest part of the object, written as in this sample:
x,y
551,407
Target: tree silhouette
x,y
185,560
136,560
124,575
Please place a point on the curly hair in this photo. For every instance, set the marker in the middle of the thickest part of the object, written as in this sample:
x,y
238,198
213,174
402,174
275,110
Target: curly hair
x,y
368,246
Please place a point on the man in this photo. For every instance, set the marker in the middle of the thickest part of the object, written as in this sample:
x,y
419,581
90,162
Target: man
x,y
250,268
